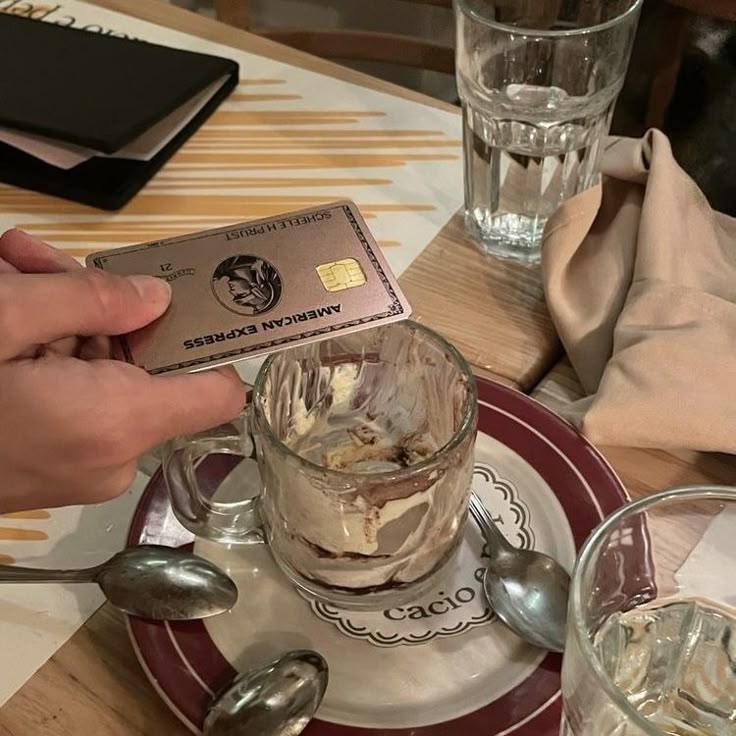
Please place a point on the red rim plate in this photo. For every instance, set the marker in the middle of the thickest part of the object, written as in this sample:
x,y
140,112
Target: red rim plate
x,y
186,668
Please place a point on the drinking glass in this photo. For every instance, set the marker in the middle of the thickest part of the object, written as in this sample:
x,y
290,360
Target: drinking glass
x,y
538,81
651,641
364,447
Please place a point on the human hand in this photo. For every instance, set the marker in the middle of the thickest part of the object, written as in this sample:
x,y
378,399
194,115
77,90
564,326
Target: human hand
x,y
73,422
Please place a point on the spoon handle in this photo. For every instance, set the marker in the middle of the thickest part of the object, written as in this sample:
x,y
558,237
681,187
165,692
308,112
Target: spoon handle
x,y
493,535
16,574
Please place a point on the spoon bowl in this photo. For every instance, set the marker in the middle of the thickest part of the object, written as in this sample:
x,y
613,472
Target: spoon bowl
x,y
276,700
150,581
527,590
166,584
530,597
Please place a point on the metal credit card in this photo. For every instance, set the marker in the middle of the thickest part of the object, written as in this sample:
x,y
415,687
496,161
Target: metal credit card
x,y
250,289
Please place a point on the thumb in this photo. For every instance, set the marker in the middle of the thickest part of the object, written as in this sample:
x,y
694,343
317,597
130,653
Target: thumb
x,y
40,308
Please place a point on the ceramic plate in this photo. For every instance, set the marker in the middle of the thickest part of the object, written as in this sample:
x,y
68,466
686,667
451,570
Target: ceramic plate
x,y
438,665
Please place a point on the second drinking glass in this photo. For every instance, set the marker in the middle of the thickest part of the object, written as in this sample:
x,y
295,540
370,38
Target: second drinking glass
x,y
538,83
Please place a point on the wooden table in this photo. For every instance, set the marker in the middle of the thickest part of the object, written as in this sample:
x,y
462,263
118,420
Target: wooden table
x,y
493,311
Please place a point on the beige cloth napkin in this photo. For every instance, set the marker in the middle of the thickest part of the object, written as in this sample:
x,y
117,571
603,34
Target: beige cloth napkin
x,y
640,280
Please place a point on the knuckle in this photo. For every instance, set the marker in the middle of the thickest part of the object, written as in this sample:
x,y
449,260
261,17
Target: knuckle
x,y
104,291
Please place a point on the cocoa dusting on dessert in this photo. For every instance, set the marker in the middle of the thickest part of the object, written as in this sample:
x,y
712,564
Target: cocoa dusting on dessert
x,y
379,495
391,583
362,436
360,399
325,554
367,445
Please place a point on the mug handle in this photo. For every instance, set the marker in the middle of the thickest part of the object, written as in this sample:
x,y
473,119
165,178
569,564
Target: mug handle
x,y
196,498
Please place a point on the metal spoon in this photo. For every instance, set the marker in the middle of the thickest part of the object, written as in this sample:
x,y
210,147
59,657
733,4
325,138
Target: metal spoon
x,y
528,590
276,700
150,581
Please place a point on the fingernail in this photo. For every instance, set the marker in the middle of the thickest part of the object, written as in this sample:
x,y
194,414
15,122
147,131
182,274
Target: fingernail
x,y
150,288
30,237
16,232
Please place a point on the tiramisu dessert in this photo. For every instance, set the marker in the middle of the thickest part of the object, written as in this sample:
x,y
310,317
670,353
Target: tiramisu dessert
x,y
381,426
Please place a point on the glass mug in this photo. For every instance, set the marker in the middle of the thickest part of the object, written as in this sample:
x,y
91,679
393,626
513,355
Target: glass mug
x,y
364,448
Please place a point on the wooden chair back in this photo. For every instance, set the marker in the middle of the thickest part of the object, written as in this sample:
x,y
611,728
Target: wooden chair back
x,y
347,44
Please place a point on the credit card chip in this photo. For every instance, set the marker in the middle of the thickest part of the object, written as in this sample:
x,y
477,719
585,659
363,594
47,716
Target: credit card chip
x,y
340,275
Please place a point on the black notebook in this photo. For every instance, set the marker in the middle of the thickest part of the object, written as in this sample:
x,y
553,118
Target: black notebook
x,y
92,118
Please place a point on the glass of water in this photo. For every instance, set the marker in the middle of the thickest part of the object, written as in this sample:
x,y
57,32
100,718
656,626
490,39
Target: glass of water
x,y
651,642
538,81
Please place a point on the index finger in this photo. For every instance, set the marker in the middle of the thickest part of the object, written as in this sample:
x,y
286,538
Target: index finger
x,y
164,407
27,254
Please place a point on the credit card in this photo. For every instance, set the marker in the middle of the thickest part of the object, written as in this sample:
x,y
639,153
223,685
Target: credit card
x,y
254,288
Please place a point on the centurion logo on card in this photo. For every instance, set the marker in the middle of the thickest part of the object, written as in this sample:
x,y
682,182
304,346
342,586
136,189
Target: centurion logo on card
x,y
250,289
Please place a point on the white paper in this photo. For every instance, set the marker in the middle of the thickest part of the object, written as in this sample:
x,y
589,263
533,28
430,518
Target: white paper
x,y
63,156
708,571
35,620
148,144
143,148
